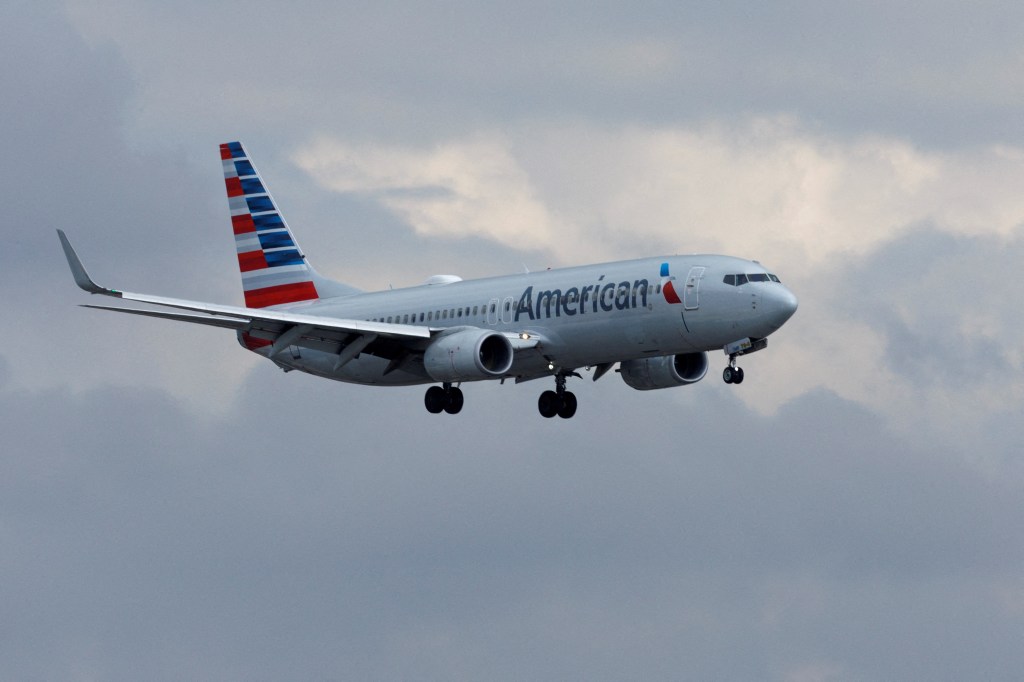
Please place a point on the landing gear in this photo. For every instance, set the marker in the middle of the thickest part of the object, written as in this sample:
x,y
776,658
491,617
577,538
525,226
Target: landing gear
x,y
560,401
446,398
732,374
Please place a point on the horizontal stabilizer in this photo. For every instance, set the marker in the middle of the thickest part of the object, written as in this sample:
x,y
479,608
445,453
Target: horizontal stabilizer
x,y
225,322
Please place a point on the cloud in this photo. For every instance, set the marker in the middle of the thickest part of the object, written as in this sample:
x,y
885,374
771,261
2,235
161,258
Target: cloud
x,y
140,540
467,188
402,71
141,220
771,189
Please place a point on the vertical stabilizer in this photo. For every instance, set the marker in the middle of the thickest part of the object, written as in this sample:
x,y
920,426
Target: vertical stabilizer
x,y
274,269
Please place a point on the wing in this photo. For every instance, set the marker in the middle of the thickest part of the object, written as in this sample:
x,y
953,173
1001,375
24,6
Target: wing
x,y
278,329
274,328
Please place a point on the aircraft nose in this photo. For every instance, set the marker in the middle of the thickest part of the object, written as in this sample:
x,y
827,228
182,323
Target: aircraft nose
x,y
783,305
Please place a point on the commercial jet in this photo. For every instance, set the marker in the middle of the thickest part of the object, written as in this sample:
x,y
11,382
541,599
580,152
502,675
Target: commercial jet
x,y
656,318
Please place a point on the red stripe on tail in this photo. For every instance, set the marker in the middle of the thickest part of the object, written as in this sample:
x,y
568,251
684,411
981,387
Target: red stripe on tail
x,y
242,223
251,260
283,293
234,186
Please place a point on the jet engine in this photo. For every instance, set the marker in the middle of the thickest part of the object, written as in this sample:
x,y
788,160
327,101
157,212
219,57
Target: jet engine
x,y
467,355
665,371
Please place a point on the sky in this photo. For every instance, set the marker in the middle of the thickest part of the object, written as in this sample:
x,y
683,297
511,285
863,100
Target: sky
x,y
173,507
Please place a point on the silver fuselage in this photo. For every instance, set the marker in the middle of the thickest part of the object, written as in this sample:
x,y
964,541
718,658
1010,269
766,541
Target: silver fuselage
x,y
577,317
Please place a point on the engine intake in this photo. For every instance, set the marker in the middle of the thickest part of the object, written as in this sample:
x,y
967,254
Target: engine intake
x,y
666,371
467,355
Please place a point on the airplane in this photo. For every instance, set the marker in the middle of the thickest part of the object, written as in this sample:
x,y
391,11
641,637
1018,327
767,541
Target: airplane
x,y
656,318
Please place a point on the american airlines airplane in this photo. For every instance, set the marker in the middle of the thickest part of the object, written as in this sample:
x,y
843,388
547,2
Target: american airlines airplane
x,y
656,318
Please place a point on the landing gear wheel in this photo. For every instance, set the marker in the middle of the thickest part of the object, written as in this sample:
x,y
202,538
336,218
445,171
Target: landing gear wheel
x,y
732,374
455,401
435,399
548,404
568,408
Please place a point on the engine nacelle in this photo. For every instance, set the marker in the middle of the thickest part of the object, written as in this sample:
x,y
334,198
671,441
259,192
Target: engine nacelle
x,y
467,355
665,371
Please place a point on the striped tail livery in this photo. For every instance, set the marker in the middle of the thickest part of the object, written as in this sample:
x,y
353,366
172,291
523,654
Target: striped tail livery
x,y
274,270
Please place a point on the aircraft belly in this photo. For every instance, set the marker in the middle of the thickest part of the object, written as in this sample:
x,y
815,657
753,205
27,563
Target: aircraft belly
x,y
365,369
579,343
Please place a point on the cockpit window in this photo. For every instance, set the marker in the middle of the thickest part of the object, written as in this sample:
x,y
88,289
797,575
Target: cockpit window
x,y
738,280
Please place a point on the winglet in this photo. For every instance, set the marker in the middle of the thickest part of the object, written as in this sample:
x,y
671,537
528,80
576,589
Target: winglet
x,y
82,278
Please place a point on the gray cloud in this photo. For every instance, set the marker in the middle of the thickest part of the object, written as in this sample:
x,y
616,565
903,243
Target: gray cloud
x,y
925,289
406,73
143,542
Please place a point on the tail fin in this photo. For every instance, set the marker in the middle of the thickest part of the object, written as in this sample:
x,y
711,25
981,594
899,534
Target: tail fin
x,y
274,270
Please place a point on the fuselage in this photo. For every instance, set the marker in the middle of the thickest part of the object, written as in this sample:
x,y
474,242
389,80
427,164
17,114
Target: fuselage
x,y
573,317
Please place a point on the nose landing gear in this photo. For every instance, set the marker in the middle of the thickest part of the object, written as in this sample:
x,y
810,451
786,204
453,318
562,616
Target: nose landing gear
x,y
559,401
732,374
444,398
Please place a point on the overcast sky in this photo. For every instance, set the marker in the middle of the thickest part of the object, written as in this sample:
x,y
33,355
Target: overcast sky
x,y
173,507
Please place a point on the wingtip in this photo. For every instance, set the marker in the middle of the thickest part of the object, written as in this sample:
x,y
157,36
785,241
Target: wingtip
x,y
78,271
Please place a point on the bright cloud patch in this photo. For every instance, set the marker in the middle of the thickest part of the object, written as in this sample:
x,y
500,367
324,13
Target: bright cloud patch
x,y
469,188
768,189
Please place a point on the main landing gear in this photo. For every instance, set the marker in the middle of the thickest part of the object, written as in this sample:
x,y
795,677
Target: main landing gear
x,y
444,398
558,401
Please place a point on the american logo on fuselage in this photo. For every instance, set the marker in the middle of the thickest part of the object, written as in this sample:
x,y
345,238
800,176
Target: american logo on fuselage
x,y
592,298
606,297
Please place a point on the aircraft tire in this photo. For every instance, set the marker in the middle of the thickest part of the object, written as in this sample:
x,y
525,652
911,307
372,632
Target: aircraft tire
x,y
455,401
435,400
727,375
548,404
568,407
738,376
